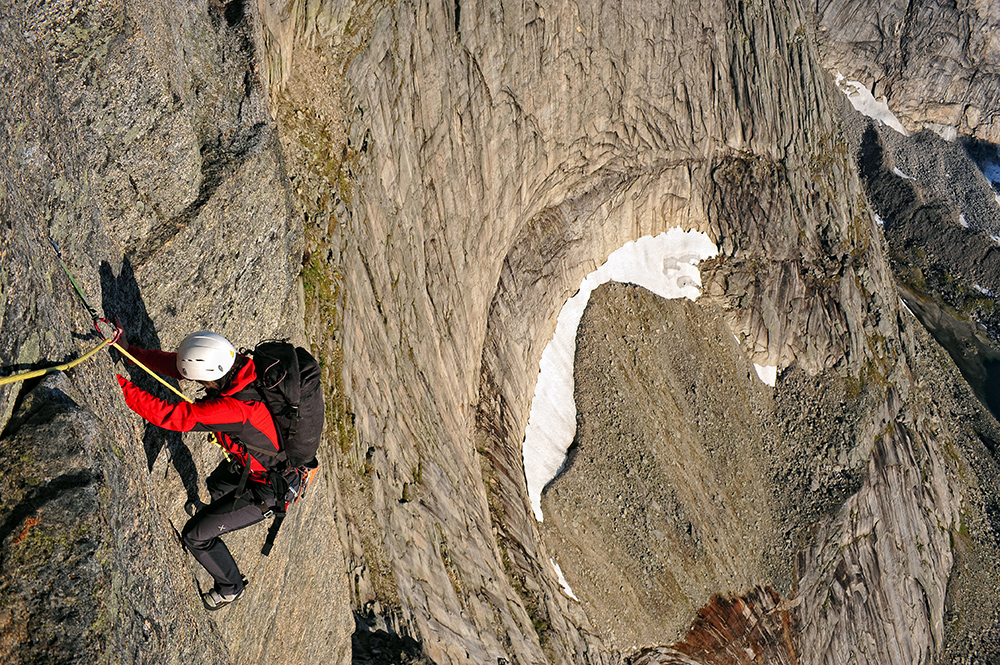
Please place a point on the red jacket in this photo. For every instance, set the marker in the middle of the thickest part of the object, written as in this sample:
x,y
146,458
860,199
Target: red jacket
x,y
240,424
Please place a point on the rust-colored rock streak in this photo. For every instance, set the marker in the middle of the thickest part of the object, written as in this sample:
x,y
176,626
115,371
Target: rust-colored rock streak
x,y
756,628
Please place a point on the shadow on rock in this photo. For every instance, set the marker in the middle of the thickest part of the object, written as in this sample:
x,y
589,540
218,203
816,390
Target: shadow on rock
x,y
43,495
987,158
374,643
121,297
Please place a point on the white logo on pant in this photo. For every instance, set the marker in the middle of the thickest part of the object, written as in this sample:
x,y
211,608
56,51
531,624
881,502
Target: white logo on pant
x,y
222,528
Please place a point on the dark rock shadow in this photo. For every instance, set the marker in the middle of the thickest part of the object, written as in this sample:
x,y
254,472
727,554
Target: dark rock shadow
x,y
987,158
375,643
991,388
121,297
931,255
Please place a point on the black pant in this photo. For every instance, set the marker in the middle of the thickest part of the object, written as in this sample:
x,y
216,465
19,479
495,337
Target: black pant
x,y
226,513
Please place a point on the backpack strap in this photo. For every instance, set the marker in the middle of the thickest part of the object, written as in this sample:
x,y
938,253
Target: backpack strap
x,y
251,393
279,484
272,532
276,455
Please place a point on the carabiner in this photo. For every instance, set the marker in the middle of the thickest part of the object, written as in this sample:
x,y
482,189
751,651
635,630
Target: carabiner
x,y
117,331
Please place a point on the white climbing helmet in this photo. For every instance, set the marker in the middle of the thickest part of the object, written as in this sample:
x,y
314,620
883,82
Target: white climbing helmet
x,y
205,356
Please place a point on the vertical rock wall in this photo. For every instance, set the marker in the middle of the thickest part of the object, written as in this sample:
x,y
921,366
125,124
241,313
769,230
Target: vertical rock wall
x,y
492,155
937,63
504,152
138,138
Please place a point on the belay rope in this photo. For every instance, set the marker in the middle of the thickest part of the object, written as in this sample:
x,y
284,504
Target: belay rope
x,y
108,341
24,376
111,340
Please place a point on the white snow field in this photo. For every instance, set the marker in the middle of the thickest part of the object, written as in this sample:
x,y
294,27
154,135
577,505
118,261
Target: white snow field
x,y
767,373
562,580
667,265
863,100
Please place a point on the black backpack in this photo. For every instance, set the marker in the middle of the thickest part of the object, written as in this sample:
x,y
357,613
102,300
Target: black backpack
x,y
288,383
288,380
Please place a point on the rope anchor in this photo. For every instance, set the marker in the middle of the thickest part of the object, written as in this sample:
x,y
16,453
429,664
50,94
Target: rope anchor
x,y
109,339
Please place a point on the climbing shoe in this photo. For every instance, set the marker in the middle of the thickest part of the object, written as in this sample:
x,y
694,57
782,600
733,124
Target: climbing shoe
x,y
216,600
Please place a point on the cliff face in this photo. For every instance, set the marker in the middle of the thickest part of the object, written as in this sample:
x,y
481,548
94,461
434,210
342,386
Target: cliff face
x,y
939,216
936,62
137,138
505,153
417,188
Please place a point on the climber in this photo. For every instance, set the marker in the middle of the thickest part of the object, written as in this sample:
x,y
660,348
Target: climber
x,y
232,409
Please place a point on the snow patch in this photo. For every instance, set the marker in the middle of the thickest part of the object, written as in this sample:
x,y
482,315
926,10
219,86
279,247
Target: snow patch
x,y
983,290
562,580
947,132
961,220
878,220
767,373
667,265
895,169
862,99
907,307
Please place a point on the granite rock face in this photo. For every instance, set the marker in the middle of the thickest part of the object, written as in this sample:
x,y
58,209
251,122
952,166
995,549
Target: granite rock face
x,y
505,153
937,63
137,137
939,217
416,188
501,154
939,210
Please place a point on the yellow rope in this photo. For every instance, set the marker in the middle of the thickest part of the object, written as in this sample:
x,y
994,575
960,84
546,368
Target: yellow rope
x,y
58,368
152,373
214,439
113,342
65,366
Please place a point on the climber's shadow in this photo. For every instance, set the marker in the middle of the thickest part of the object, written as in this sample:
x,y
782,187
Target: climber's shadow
x,y
120,296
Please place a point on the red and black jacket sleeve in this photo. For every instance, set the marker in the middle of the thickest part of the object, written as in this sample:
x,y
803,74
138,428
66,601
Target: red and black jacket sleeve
x,y
248,422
